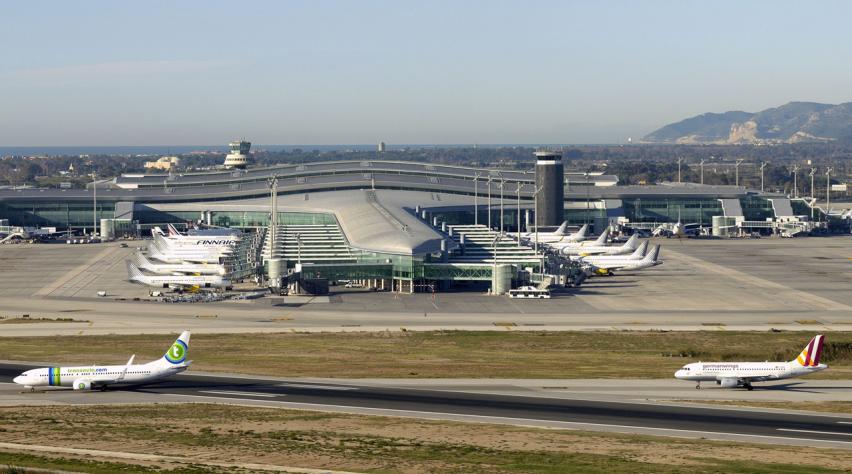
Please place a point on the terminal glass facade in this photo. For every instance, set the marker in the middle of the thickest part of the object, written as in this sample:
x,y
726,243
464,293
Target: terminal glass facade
x,y
55,213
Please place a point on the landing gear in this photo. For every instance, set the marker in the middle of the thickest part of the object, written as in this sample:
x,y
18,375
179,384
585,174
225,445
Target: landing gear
x,y
748,387
698,386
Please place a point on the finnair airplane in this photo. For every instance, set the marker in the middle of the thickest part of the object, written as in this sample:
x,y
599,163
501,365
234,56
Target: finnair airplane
x,y
212,237
559,235
180,254
100,376
191,282
177,268
624,262
631,245
223,244
743,374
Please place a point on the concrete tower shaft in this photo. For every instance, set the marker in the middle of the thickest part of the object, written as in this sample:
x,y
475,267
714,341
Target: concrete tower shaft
x,y
549,178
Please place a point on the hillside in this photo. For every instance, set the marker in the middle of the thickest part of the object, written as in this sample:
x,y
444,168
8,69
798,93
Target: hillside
x,y
794,122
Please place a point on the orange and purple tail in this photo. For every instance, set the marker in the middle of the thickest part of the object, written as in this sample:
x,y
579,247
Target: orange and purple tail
x,y
812,352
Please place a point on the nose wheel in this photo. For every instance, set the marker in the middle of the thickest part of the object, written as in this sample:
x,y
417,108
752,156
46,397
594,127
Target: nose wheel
x,y
698,386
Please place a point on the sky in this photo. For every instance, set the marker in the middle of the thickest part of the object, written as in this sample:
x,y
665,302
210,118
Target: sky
x,y
431,72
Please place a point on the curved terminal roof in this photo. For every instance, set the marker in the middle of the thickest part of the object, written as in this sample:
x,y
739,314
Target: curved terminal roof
x,y
346,167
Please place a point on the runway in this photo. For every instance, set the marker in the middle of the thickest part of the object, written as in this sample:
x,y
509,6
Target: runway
x,y
596,415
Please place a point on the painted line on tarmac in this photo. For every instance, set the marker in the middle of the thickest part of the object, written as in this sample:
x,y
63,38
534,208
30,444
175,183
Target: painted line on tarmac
x,y
833,433
242,394
318,387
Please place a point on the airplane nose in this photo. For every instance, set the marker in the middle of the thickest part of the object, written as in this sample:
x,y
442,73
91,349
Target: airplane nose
x,y
19,379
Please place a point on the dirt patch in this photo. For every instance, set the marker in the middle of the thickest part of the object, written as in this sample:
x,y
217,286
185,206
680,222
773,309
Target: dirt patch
x,y
265,436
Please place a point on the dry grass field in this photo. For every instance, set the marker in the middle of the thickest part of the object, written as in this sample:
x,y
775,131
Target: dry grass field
x,y
450,354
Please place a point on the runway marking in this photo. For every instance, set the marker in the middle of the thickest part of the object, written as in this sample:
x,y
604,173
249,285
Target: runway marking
x,y
249,394
845,422
817,432
319,387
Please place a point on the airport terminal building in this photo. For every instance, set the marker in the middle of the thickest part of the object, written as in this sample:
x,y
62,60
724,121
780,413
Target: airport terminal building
x,y
398,219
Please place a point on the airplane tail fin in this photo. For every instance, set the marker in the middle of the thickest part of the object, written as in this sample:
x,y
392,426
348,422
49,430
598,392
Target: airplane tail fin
x,y
810,355
172,231
581,234
632,243
157,231
651,256
133,272
140,260
640,250
601,240
176,355
562,228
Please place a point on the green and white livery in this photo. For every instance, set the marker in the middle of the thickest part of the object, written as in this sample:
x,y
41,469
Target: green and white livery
x,y
100,376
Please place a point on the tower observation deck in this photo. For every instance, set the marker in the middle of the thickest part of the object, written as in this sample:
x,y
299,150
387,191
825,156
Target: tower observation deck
x,y
549,177
238,156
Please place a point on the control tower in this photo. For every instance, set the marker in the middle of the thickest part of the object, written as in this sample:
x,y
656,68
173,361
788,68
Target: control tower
x,y
238,157
549,178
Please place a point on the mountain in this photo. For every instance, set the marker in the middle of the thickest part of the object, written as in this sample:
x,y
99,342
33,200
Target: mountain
x,y
791,123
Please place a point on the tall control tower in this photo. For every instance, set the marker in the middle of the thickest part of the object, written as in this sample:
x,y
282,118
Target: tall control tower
x,y
549,177
238,157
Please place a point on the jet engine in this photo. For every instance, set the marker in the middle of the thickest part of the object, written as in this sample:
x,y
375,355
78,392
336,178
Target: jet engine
x,y
729,382
82,384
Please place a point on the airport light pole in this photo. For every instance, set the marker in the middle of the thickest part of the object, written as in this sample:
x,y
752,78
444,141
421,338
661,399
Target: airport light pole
x,y
502,185
535,204
489,202
519,213
737,172
701,165
795,179
476,199
813,199
827,190
762,166
272,182
94,203
679,161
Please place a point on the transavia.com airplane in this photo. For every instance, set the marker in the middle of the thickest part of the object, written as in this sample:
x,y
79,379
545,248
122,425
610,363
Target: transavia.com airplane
x,y
100,376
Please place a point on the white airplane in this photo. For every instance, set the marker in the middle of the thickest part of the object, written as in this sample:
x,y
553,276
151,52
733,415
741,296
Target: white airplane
x,y
191,282
164,253
209,237
559,235
600,241
637,254
177,268
623,262
631,245
218,244
743,374
100,376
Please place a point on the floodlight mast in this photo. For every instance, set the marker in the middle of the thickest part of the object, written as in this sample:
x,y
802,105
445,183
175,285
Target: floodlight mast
x,y
795,181
737,171
476,199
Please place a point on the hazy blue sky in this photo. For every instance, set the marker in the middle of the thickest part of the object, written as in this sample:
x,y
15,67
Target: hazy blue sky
x,y
325,72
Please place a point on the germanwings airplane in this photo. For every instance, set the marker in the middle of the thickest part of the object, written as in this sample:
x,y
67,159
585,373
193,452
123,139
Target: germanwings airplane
x,y
743,374
100,376
631,245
